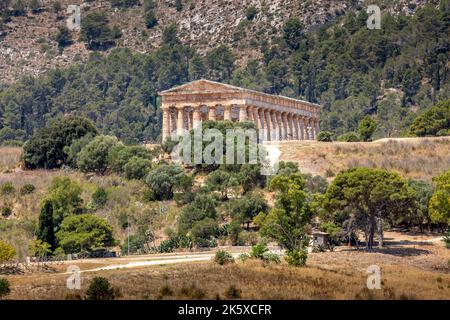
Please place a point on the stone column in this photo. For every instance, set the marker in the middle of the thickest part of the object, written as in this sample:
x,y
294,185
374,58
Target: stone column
x,y
308,128
250,113
180,121
301,135
305,127
311,129
227,112
197,118
268,125
212,113
262,125
274,127
295,124
285,127
317,127
243,113
279,125
290,127
166,124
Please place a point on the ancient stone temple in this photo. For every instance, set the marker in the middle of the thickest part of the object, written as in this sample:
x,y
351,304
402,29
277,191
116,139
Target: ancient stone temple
x,y
277,117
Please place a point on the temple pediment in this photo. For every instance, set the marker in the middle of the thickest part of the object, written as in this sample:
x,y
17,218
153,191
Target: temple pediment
x,y
202,86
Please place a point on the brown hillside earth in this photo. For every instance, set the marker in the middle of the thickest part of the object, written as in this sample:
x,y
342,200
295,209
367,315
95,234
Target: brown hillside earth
x,y
418,158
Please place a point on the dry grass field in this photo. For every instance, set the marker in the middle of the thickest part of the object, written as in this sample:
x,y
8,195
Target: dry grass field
x,y
419,158
410,269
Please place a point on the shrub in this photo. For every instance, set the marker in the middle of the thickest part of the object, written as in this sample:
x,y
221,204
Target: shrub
x,y
204,233
271,257
7,188
163,179
325,136
95,31
100,289
7,252
223,257
296,257
258,251
6,212
349,137
137,168
46,148
94,156
123,3
243,257
251,12
99,197
85,232
27,189
63,37
4,287
233,292
150,19
367,127
446,240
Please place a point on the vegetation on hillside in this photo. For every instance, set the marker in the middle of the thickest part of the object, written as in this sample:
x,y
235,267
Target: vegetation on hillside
x,y
352,71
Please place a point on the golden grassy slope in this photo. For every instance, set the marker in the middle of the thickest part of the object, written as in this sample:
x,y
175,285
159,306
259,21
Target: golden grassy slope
x,y
407,272
419,158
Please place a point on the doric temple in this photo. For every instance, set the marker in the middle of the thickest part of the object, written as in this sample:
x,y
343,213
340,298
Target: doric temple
x,y
277,117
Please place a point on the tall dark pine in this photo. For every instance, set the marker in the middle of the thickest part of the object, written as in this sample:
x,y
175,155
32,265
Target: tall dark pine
x,y
46,231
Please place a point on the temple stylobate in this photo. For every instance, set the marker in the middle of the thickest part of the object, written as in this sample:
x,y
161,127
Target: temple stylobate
x,y
278,118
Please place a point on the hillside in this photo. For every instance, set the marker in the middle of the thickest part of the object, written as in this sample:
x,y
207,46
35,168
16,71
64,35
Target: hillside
x,y
392,74
29,46
415,158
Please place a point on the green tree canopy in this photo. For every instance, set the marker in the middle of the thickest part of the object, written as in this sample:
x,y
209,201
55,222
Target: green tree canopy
x,y
46,148
434,122
94,156
366,128
84,233
369,196
440,201
164,179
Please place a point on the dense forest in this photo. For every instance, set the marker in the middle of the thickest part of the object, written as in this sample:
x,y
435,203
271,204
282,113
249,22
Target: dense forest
x,y
393,74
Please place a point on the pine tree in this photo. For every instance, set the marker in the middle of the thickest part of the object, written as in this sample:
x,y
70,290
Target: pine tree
x,y
46,232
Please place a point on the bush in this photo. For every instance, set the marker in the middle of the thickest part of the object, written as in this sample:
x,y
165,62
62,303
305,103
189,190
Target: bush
x,y
223,257
163,179
349,137
325,136
243,257
447,240
258,251
296,257
251,12
96,32
99,197
84,233
137,168
46,148
63,37
123,3
27,189
94,156
271,257
100,289
204,232
4,287
7,252
150,19
233,292
7,188
6,212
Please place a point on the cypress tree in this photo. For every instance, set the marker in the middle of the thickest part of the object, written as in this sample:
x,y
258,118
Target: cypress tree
x,y
46,231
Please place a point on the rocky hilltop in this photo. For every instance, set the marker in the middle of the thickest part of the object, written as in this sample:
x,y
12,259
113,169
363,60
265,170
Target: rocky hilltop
x,y
28,45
